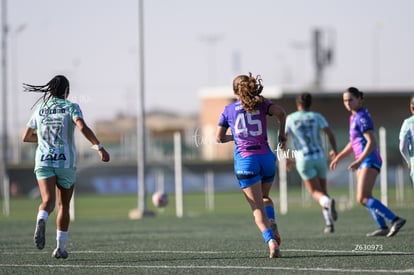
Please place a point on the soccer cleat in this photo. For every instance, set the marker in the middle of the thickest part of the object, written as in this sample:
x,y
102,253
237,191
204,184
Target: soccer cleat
x,y
276,233
60,254
329,229
39,235
379,232
396,226
274,249
332,210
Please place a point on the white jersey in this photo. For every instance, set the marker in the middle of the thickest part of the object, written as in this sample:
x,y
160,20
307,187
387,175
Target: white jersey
x,y
305,126
53,121
407,139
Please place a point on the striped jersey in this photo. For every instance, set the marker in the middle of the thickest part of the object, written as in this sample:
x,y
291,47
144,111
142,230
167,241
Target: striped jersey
x,y
55,128
304,127
407,139
249,130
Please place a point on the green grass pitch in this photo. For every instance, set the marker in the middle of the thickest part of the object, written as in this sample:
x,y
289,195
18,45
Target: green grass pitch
x,y
102,240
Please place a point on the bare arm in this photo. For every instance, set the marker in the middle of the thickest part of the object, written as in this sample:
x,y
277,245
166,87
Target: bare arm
x,y
369,147
90,135
403,146
345,152
332,141
29,135
222,136
280,115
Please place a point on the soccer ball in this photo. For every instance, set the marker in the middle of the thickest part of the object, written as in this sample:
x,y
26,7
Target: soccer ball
x,y
159,199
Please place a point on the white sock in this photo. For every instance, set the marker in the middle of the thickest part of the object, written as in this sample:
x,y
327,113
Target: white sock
x,y
325,214
61,238
42,215
324,201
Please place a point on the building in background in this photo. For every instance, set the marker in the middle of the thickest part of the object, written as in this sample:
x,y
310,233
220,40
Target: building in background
x,y
388,107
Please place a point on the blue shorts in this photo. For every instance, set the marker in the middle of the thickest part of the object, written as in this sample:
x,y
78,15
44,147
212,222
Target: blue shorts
x,y
254,168
371,162
308,169
65,176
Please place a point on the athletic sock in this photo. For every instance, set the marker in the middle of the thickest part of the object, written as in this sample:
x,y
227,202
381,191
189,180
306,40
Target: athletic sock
x,y
380,209
270,213
61,238
378,219
42,215
324,201
325,214
268,235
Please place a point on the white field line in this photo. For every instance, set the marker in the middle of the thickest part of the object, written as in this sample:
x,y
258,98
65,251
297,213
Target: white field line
x,y
209,267
202,267
212,252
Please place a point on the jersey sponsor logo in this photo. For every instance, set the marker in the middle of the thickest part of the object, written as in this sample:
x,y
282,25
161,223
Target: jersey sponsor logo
x,y
304,122
53,157
47,111
238,107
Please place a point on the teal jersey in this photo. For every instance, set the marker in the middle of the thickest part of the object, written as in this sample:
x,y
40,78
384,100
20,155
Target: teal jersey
x,y
304,127
407,139
55,129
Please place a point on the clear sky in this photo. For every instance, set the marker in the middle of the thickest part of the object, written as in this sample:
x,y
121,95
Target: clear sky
x,y
95,44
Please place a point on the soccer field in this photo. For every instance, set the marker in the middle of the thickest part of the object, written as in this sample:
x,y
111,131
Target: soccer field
x,y
224,241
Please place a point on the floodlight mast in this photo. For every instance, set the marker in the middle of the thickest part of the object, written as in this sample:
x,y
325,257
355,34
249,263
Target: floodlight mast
x,y
141,156
141,137
3,148
323,55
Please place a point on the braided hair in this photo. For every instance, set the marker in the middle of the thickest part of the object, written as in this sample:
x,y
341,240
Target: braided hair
x,y
248,89
58,87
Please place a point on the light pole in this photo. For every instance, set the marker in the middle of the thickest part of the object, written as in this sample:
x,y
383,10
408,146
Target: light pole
x,y
3,148
323,54
14,91
141,211
299,47
211,41
376,56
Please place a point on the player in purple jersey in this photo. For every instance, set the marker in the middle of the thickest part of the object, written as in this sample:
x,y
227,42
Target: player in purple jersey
x,y
254,161
367,163
51,127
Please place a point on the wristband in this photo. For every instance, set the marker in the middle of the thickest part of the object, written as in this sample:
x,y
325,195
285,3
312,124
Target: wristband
x,y
97,147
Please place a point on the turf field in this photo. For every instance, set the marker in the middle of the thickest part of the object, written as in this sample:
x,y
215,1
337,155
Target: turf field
x,y
221,241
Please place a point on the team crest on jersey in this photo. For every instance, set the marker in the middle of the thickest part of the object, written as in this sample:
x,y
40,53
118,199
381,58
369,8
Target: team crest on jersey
x,y
364,122
53,157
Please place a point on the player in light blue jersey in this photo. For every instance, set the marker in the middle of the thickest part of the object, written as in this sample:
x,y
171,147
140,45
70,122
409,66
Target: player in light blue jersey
x,y
367,163
305,127
407,140
52,126
254,161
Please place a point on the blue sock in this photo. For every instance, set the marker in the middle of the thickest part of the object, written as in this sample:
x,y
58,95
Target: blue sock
x,y
380,209
378,219
268,235
270,212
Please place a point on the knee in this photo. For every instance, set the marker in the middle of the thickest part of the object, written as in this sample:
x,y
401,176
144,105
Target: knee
x,y
266,199
63,207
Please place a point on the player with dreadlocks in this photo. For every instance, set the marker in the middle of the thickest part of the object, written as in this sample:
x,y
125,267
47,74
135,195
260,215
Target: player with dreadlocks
x,y
52,126
254,161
